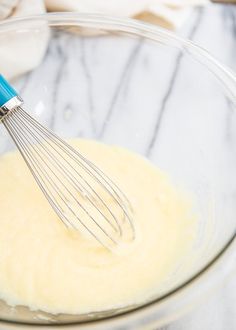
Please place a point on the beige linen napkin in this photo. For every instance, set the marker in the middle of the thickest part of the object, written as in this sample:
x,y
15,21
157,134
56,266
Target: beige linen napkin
x,y
6,8
168,13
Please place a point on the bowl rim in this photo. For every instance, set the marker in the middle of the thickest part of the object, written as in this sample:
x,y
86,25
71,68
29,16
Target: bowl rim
x,y
225,75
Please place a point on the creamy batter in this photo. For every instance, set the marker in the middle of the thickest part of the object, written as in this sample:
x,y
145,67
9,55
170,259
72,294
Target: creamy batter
x,y
46,266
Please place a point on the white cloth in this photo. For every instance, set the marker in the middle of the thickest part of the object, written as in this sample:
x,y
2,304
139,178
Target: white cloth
x,y
20,53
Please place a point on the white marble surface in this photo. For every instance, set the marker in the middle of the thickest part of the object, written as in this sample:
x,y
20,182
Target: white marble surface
x,y
214,28
215,32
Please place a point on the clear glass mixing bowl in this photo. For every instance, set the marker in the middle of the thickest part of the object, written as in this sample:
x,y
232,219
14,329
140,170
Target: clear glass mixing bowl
x,y
112,80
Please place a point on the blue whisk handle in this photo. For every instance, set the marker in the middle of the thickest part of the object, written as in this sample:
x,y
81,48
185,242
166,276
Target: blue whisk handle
x,y
9,98
7,92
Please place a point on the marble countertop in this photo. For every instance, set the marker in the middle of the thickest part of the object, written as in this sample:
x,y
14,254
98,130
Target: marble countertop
x,y
214,28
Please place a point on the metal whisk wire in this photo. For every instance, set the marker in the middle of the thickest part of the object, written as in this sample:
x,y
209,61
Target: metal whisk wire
x,y
81,194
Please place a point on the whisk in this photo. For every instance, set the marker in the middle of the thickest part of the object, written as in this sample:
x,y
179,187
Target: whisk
x,y
83,196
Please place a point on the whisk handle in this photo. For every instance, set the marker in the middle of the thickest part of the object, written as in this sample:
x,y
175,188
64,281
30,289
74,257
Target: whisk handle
x,y
7,92
9,98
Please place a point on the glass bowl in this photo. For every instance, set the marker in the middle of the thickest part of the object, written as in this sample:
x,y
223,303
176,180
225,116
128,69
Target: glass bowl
x,y
124,82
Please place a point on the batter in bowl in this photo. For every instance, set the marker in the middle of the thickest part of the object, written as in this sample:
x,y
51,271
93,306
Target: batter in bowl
x,y
48,267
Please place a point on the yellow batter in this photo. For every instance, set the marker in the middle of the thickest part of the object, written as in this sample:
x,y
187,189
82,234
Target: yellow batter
x,y
46,266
